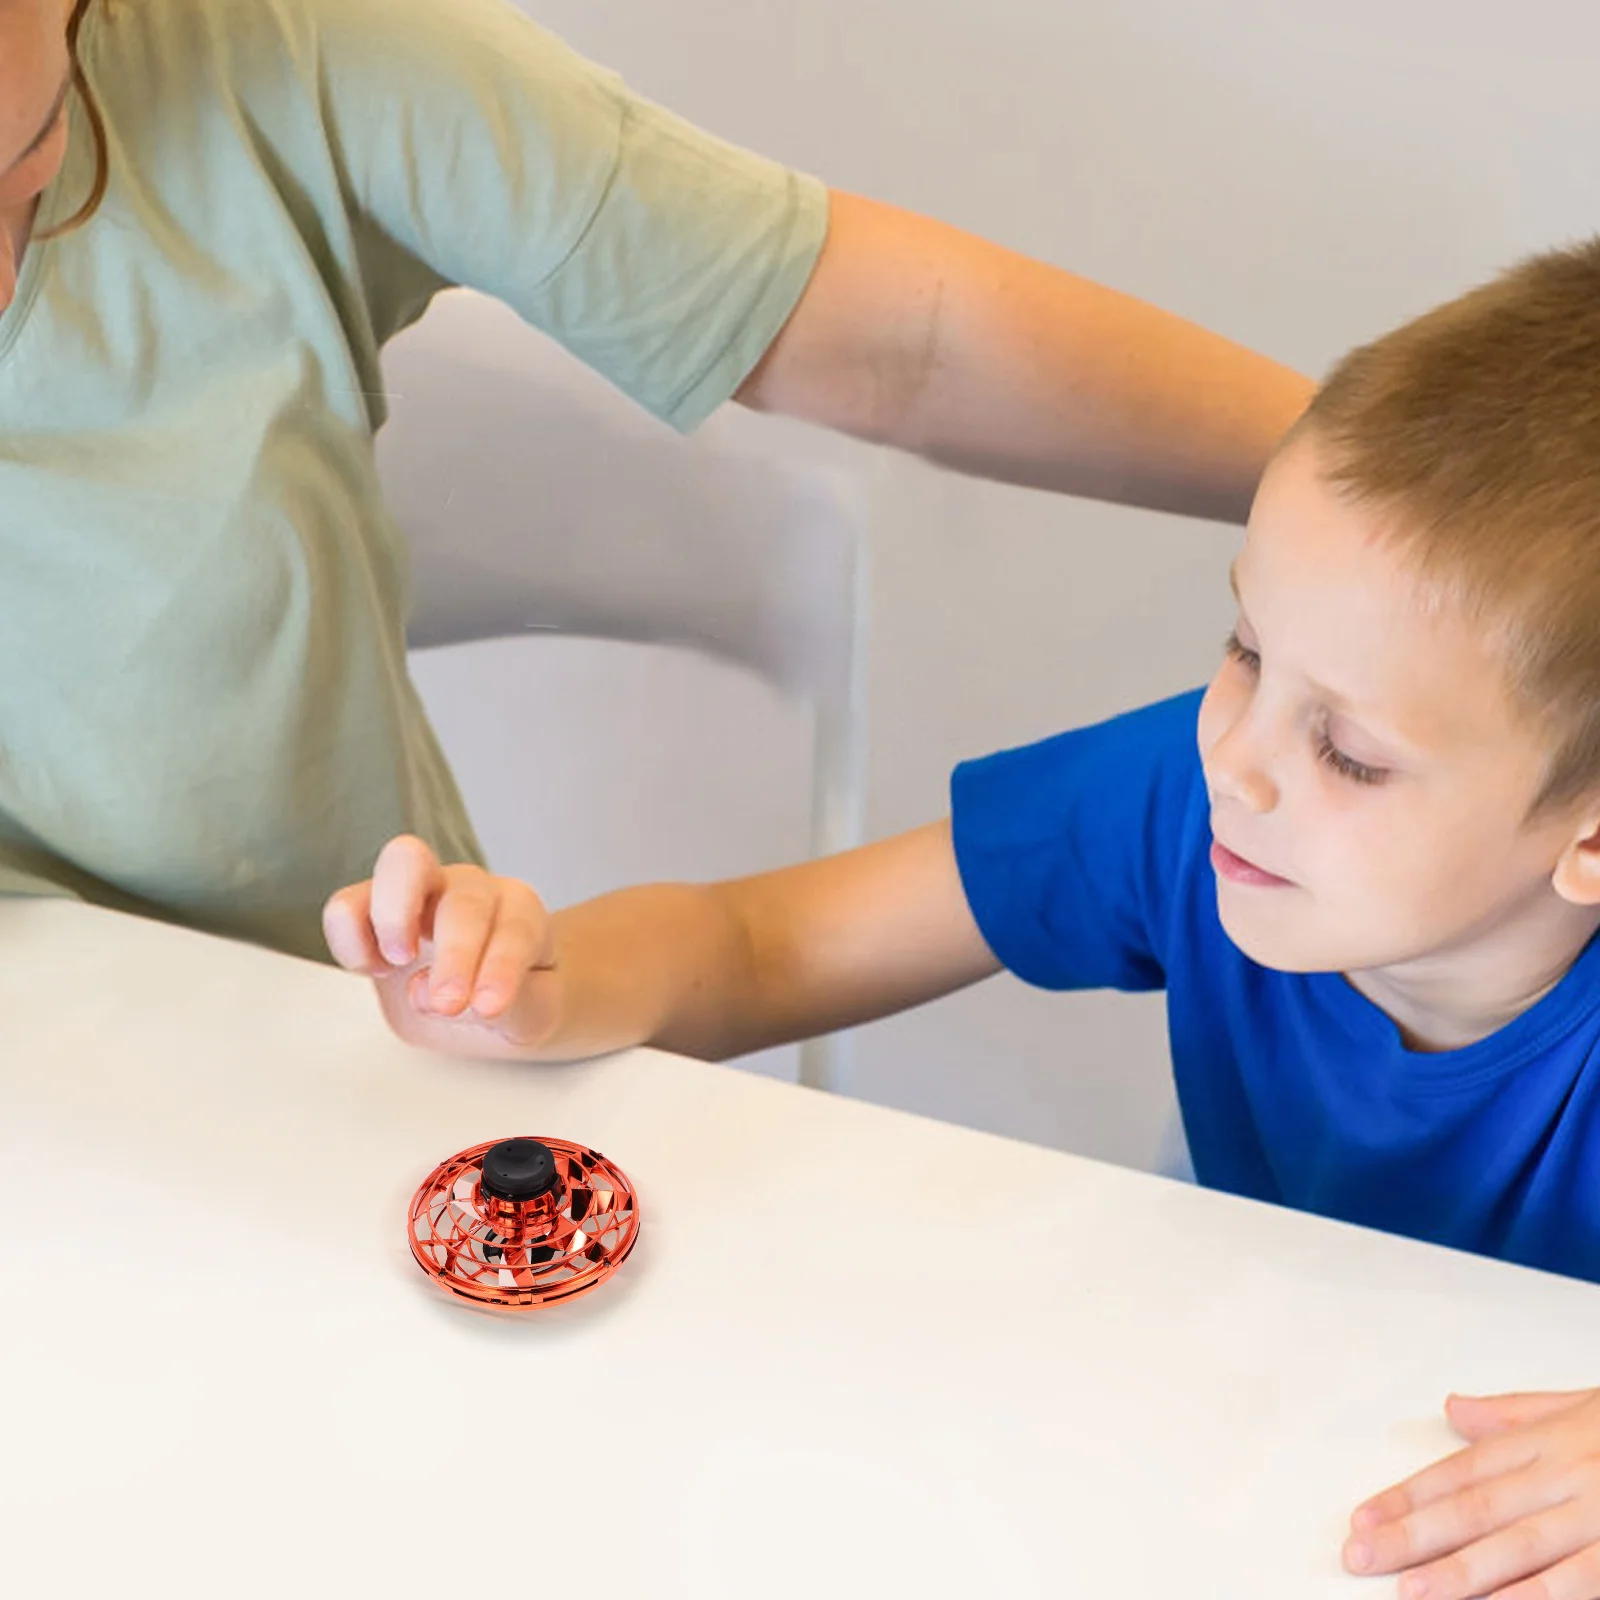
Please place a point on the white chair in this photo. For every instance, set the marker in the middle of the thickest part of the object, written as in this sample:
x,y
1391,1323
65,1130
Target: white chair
x,y
535,496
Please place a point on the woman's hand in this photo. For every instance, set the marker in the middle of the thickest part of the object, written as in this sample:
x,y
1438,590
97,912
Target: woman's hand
x,y
463,961
1515,1516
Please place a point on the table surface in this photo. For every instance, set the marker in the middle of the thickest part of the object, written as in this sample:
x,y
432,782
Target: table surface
x,y
855,1352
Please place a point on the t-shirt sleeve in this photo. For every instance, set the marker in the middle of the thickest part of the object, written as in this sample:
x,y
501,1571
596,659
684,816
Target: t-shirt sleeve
x,y
1069,849
485,148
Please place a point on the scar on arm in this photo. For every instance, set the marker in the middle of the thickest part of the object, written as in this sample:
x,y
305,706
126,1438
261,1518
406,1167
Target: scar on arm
x,y
901,368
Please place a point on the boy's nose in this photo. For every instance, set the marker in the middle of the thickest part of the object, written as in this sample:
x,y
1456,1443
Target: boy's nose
x,y
1234,771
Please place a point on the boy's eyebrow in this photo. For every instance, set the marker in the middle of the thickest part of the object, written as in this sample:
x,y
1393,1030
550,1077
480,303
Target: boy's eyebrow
x,y
49,123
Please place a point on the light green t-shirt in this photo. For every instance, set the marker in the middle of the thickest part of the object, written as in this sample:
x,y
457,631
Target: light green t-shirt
x,y
205,713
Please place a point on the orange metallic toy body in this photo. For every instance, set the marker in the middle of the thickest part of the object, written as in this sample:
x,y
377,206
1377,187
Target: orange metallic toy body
x,y
517,1223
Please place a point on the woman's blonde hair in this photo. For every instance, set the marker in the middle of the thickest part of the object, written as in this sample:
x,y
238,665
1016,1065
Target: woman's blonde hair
x,y
97,126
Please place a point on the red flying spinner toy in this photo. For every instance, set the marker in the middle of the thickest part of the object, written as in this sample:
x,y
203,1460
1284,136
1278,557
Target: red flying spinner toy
x,y
523,1222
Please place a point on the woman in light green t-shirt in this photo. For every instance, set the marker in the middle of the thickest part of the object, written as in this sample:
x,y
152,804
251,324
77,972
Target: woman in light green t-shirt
x,y
213,214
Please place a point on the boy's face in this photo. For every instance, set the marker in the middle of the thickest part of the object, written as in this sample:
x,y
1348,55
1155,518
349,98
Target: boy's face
x,y
1370,775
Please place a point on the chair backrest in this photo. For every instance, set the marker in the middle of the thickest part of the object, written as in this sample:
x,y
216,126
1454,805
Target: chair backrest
x,y
534,496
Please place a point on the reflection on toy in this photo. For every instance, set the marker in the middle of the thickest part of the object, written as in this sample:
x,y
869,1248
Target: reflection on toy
x,y
522,1222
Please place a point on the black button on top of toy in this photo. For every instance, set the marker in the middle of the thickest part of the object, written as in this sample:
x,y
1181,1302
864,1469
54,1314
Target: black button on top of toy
x,y
518,1169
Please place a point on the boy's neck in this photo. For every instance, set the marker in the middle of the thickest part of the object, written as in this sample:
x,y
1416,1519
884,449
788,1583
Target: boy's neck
x,y
1454,998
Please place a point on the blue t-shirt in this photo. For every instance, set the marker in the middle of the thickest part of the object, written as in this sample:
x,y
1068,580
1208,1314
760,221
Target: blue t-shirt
x,y
1086,862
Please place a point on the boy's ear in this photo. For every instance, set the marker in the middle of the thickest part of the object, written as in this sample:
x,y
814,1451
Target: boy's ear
x,y
1576,877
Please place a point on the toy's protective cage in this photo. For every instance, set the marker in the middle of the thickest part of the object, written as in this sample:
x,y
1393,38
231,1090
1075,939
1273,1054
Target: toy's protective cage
x,y
514,1253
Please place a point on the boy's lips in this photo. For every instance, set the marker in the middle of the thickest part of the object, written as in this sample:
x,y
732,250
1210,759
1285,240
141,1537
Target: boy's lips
x,y
1237,869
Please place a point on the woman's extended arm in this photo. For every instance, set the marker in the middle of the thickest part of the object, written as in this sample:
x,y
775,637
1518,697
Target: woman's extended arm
x,y
914,334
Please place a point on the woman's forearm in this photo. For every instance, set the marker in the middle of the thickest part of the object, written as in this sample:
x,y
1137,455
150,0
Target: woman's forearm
x,y
918,335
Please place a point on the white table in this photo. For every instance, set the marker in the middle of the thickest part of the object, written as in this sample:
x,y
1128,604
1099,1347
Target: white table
x,y
855,1353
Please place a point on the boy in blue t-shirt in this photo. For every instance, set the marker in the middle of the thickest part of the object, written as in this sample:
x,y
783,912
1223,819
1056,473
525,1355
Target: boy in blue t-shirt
x,y
1364,864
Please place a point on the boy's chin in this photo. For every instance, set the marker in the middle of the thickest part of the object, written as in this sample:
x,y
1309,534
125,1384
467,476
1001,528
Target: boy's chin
x,y
1283,949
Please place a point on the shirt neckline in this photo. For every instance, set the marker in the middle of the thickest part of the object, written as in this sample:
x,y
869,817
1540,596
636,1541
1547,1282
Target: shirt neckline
x,y
1554,1015
39,251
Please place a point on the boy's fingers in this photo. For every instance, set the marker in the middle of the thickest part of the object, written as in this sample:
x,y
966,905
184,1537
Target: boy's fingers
x,y
1457,1520
1480,1416
521,941
533,1011
1478,1463
416,991
347,926
405,1003
463,924
405,883
480,948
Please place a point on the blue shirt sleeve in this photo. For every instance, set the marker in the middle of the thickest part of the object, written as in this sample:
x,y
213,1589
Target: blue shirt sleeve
x,y
1070,849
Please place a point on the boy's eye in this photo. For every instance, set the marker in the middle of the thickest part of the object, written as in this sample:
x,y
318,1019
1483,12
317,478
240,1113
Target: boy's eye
x,y
1249,659
1356,771
1327,750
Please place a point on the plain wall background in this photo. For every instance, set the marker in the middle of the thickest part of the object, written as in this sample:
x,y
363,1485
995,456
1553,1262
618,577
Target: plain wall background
x,y
1298,177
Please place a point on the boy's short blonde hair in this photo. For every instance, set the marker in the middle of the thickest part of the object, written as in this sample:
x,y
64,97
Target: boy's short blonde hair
x,y
1474,433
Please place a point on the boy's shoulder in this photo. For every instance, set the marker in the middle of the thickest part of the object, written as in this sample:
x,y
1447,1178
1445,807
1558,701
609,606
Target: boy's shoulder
x,y
1150,747
1083,855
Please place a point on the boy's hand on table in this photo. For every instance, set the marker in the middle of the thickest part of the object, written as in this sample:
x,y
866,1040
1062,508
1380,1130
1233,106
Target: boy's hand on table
x,y
463,961
1514,1516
